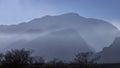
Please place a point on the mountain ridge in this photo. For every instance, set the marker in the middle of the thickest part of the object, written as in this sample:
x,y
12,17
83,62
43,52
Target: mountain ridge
x,y
97,33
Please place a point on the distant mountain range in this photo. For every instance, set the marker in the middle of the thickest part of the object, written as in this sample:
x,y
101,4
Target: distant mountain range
x,y
58,36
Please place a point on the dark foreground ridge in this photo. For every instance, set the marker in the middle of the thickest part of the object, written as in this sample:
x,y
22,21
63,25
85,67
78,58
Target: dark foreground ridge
x,y
21,58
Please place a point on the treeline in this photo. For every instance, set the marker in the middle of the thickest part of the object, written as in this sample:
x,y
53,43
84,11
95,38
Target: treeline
x,y
21,58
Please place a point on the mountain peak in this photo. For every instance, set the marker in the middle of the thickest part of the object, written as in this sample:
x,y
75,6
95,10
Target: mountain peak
x,y
70,15
74,14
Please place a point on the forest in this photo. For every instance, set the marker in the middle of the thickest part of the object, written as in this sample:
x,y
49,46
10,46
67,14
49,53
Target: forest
x,y
22,58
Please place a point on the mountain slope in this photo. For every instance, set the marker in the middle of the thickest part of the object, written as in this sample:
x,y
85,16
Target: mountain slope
x,y
111,54
60,44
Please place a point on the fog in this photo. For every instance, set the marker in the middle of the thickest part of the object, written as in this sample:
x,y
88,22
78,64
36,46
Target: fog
x,y
55,44
7,39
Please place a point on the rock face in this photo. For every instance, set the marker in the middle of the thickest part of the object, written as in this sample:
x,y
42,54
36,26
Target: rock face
x,y
111,54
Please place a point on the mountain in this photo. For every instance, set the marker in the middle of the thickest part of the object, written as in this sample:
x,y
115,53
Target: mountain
x,y
111,54
96,33
61,44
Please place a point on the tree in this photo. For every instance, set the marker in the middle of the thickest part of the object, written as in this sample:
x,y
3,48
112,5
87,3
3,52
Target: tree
x,y
17,58
1,58
86,59
38,60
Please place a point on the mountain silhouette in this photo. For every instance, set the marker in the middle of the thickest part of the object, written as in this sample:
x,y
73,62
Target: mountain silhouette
x,y
97,33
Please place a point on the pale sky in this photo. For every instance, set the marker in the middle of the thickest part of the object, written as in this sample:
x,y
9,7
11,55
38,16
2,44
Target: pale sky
x,y
16,11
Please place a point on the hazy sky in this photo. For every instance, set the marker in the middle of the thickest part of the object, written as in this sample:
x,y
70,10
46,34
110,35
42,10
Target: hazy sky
x,y
16,11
